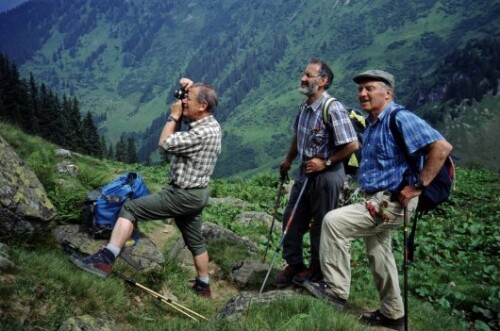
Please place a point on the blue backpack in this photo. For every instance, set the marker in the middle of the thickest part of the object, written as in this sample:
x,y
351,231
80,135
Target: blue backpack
x,y
101,206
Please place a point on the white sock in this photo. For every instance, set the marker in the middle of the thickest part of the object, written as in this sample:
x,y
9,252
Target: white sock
x,y
204,279
113,249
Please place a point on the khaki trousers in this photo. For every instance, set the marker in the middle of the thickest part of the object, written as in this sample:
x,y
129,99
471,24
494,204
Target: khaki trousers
x,y
341,226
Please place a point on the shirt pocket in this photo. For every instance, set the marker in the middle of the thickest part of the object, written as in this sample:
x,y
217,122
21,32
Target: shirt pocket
x,y
385,150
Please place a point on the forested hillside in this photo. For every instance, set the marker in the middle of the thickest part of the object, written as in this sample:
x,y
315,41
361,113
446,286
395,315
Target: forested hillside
x,y
122,59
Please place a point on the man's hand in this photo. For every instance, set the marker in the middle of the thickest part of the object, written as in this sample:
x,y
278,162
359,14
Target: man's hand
x,y
407,193
285,166
315,165
186,83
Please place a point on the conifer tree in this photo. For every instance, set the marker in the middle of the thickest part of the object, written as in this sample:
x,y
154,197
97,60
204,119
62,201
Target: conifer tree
x,y
131,151
110,153
34,104
91,142
121,150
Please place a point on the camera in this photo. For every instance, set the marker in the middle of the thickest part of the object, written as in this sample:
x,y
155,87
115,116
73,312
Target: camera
x,y
180,94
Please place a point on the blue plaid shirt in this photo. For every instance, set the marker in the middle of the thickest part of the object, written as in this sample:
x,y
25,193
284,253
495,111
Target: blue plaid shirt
x,y
383,164
314,139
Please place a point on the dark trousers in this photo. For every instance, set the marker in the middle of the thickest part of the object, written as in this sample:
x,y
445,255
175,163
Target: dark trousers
x,y
320,196
184,205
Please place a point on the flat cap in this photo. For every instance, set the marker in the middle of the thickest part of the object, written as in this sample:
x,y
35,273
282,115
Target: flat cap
x,y
377,75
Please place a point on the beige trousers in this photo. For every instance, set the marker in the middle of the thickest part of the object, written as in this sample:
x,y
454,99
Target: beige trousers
x,y
373,220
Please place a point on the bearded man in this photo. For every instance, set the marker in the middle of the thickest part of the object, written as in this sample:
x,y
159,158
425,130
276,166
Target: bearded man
x,y
320,149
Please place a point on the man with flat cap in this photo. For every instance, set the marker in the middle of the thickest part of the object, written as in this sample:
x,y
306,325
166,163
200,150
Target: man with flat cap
x,y
389,186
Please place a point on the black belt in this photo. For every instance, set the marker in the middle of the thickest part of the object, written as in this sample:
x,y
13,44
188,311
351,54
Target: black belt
x,y
174,185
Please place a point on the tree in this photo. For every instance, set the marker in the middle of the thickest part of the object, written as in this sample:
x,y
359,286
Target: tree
x,y
121,150
131,151
91,141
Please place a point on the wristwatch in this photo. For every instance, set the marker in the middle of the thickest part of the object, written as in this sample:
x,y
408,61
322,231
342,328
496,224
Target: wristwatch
x,y
171,118
328,163
419,185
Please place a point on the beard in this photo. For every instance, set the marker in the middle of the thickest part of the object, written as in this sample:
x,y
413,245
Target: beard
x,y
309,90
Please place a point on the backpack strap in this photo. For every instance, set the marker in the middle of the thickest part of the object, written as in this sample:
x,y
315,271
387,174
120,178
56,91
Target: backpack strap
x,y
396,133
398,137
326,105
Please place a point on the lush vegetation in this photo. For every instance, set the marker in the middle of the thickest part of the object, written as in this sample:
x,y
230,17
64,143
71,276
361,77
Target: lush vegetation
x,y
453,282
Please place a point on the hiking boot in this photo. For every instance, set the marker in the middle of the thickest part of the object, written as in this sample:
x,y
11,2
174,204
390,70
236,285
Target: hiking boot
x,y
202,289
99,264
376,318
301,277
284,279
312,274
323,291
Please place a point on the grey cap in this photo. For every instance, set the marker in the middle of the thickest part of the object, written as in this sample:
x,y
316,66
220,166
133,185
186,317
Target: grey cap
x,y
377,75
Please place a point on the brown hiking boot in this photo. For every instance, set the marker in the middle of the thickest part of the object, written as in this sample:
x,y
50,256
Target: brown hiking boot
x,y
312,274
285,277
202,289
99,264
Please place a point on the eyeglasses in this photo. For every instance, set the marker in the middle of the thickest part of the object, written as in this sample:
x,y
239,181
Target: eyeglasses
x,y
308,75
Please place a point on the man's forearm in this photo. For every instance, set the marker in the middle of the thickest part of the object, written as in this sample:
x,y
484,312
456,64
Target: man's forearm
x,y
436,156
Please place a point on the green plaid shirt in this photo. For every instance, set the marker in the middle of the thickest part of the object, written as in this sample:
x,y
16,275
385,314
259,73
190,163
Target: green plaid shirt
x,y
196,152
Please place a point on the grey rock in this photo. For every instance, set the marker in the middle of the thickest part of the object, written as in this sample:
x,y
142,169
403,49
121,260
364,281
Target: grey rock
x,y
250,274
62,152
253,218
24,205
238,305
5,263
230,201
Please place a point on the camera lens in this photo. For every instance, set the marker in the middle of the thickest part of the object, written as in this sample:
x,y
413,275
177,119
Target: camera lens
x,y
180,94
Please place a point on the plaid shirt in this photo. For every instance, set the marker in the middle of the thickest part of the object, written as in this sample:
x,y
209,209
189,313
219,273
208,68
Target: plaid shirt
x,y
383,164
196,152
314,139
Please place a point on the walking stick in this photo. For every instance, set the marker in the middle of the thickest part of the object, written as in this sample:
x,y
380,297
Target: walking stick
x,y
405,266
283,178
182,309
284,234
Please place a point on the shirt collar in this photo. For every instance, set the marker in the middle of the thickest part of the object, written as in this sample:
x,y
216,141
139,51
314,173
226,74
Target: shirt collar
x,y
317,104
201,121
383,114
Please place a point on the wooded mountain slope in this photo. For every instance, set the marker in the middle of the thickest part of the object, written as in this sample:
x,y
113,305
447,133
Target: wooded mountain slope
x,y
124,58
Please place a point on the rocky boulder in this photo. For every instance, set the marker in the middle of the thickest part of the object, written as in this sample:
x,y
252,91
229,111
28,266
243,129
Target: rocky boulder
x,y
24,206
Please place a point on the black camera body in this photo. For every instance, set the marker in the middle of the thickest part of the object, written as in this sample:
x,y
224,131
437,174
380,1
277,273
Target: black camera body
x,y
180,94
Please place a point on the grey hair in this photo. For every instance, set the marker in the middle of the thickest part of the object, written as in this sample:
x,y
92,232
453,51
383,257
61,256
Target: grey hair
x,y
207,95
387,87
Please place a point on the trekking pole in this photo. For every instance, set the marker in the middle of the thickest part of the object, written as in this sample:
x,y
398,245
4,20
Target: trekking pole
x,y
284,234
184,310
283,178
405,266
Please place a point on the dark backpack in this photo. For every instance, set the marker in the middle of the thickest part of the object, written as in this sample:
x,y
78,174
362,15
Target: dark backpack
x,y
437,192
351,164
101,206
